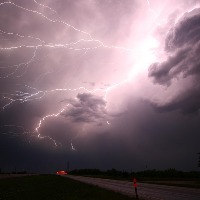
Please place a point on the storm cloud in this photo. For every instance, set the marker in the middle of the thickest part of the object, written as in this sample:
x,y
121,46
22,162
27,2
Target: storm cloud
x,y
86,108
75,84
182,47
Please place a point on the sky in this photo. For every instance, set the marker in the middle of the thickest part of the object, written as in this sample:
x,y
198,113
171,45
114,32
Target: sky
x,y
99,84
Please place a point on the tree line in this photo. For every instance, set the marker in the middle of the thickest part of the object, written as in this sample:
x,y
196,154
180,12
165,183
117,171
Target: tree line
x,y
169,173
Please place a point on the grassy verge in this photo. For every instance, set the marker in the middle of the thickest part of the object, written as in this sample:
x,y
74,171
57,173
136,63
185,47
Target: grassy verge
x,y
178,183
52,187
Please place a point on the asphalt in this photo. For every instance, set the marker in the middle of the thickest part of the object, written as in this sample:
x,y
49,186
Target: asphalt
x,y
145,191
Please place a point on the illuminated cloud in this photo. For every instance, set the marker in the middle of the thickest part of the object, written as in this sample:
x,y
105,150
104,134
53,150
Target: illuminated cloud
x,y
74,75
86,108
182,47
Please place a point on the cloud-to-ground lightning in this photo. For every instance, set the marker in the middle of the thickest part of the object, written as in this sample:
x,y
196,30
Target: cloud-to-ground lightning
x,y
22,97
86,42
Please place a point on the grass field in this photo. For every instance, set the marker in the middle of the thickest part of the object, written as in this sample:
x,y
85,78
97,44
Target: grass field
x,y
52,187
179,183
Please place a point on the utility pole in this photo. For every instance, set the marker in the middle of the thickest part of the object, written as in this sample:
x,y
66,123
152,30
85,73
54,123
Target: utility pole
x,y
67,166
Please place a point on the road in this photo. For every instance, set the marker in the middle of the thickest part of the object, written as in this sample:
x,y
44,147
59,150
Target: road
x,y
145,191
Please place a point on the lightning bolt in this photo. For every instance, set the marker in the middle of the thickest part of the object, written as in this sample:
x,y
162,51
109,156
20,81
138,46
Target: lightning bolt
x,y
18,131
40,124
151,10
72,146
14,131
84,44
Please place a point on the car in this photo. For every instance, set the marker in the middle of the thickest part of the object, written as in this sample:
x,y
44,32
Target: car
x,y
61,173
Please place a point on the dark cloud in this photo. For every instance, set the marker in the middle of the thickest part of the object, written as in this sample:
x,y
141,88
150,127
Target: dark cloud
x,y
165,71
37,83
187,103
142,137
185,32
86,108
182,46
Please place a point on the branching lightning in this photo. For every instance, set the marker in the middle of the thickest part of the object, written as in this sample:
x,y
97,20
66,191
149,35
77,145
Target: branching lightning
x,y
86,43
40,124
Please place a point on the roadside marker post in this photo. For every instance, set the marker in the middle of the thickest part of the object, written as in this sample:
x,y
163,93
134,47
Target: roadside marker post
x,y
135,186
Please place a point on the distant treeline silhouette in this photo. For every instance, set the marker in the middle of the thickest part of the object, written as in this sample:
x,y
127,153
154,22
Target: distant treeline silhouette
x,y
169,173
14,172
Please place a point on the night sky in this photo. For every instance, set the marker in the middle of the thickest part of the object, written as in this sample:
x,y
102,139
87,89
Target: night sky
x,y
99,84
